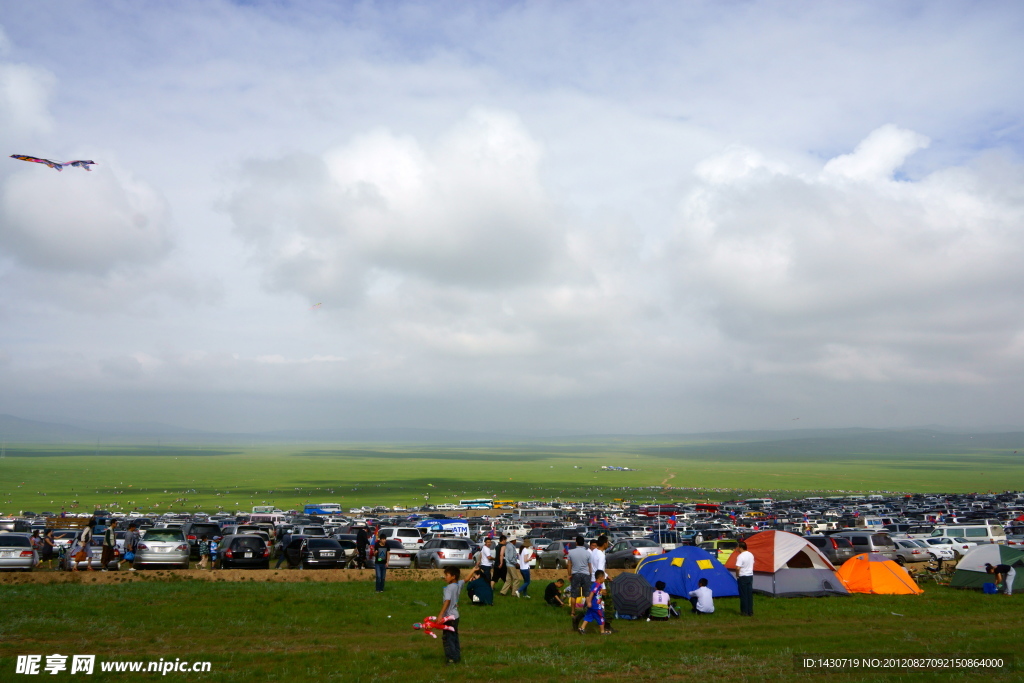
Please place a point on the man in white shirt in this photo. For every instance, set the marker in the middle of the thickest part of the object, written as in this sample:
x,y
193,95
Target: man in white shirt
x,y
745,579
701,598
597,559
486,561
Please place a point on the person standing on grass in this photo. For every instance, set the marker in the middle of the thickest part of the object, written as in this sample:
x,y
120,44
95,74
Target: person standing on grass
x,y
81,551
1004,574
131,542
380,561
499,573
109,546
579,575
745,579
597,558
486,561
362,542
204,552
513,577
46,549
525,556
450,609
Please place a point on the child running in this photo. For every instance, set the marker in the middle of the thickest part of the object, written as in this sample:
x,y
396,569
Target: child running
x,y
595,605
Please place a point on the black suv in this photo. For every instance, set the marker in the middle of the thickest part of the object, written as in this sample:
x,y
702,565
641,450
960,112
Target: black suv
x,y
194,532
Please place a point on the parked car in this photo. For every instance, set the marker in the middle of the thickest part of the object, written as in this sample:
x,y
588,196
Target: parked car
x,y
837,549
870,542
194,532
937,551
244,551
164,546
409,537
16,553
960,546
400,557
321,553
720,548
909,550
628,553
554,555
444,552
310,530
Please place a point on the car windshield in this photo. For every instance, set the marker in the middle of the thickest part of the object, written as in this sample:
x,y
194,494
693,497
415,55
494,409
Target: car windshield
x,y
323,543
164,535
66,533
247,543
15,542
455,545
642,543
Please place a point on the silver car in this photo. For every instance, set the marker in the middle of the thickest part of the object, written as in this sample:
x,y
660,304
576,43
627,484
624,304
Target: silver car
x,y
16,552
445,552
628,553
162,547
909,550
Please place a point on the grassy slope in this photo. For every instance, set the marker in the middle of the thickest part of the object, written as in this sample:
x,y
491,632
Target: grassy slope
x,y
258,631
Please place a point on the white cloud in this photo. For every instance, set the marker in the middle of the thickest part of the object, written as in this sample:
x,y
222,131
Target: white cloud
x,y
82,221
466,210
860,279
24,101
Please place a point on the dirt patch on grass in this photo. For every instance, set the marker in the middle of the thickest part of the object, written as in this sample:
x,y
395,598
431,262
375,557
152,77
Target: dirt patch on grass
x,y
255,575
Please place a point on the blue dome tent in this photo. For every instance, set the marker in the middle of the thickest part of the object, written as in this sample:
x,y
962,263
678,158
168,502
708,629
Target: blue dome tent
x,y
683,567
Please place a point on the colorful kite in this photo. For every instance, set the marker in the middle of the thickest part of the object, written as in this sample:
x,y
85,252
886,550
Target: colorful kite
x,y
431,624
315,307
59,165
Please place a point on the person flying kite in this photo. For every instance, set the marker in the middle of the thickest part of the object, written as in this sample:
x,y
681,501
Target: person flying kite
x,y
59,165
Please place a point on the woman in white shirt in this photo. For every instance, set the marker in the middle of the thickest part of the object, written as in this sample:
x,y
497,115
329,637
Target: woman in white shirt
x,y
525,555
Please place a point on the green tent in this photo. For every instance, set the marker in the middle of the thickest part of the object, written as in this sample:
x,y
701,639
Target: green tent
x,y
970,571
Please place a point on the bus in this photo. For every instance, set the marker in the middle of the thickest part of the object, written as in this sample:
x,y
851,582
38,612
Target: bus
x,y
504,504
266,509
477,504
322,509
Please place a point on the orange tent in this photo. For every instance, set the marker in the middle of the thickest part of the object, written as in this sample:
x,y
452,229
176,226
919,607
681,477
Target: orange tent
x,y
874,573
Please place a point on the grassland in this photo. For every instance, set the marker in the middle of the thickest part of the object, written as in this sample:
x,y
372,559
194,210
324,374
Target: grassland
x,y
259,631
38,477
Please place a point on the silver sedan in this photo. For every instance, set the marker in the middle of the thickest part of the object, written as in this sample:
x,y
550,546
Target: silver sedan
x,y
16,553
162,547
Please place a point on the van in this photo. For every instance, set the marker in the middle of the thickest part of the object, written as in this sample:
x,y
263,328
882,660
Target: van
x,y
976,533
870,541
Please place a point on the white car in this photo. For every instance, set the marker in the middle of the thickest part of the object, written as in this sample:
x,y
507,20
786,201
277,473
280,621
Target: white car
x,y
959,546
939,551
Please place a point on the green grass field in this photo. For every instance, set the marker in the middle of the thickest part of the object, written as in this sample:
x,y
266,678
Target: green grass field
x,y
260,631
37,477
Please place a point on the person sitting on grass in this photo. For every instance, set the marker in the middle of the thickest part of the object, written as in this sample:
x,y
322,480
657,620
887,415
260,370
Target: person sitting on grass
x,y
595,605
553,593
701,598
659,603
478,588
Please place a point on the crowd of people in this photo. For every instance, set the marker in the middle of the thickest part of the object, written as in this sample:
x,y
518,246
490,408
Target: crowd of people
x,y
583,592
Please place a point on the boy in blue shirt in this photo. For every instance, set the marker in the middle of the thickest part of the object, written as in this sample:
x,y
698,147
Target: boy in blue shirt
x,y
595,605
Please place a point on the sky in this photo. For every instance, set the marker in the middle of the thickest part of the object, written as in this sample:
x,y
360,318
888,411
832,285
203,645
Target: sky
x,y
513,216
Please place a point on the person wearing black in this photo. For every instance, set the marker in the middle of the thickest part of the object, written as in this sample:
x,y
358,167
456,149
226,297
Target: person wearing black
x,y
553,593
380,561
499,573
1005,574
362,541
